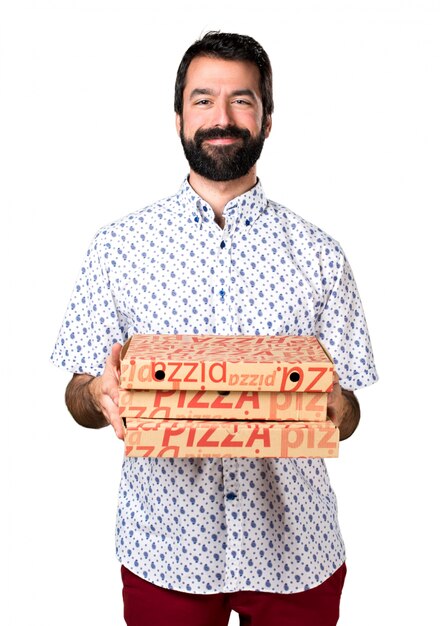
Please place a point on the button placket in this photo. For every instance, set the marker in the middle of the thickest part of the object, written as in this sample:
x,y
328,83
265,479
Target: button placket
x,y
233,522
222,284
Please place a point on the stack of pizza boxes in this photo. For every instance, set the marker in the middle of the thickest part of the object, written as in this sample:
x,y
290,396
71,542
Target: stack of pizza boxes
x,y
226,396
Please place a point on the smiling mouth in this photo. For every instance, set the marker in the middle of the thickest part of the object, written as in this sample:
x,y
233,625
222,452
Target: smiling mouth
x,y
222,141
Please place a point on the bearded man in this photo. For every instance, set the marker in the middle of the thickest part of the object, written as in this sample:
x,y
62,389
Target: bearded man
x,y
200,537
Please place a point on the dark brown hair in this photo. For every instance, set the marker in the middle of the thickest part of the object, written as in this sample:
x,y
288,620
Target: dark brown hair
x,y
232,47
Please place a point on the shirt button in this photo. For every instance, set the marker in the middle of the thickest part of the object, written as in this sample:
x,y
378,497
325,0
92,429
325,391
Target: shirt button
x,y
231,496
222,245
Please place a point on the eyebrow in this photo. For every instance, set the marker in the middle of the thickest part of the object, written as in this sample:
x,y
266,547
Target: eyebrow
x,y
211,92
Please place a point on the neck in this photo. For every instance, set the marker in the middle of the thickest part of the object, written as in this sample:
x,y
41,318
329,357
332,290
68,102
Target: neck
x,y
218,193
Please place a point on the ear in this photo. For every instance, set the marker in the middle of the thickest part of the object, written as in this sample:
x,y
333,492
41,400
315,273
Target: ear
x,y
178,123
268,126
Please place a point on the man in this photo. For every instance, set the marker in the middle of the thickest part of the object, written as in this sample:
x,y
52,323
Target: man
x,y
199,537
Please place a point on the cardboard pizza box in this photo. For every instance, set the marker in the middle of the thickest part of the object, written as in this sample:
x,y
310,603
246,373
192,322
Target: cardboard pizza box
x,y
219,405
194,438
235,363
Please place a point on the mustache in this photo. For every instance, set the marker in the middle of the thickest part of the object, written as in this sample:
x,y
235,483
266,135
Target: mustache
x,y
221,133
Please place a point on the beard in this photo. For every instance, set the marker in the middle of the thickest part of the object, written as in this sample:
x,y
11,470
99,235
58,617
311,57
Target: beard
x,y
223,163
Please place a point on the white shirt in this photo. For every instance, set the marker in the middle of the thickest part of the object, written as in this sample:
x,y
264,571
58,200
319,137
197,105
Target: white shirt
x,y
221,525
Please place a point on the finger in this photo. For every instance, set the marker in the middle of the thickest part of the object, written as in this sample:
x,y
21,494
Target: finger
x,y
333,394
111,414
111,374
118,428
109,406
334,421
110,389
117,425
115,354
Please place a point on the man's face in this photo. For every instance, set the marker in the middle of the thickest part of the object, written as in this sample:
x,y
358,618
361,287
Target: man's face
x,y
222,128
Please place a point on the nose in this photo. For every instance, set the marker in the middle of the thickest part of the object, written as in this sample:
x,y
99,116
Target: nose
x,y
222,114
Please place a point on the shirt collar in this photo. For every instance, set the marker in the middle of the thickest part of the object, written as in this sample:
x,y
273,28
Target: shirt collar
x,y
245,208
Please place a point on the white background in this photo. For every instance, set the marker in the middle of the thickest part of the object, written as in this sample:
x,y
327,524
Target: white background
x,y
87,135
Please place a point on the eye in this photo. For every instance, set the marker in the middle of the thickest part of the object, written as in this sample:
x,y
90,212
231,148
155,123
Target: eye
x,y
242,103
202,102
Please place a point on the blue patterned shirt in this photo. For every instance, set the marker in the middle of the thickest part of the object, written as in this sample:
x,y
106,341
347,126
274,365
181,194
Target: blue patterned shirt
x,y
221,525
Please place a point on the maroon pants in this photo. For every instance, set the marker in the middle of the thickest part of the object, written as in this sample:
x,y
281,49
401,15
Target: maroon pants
x,y
146,604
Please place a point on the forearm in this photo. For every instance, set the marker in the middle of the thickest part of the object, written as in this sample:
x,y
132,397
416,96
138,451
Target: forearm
x,y
79,401
350,416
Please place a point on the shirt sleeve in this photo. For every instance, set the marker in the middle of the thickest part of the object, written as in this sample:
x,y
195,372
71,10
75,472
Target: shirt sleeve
x,y
342,328
92,323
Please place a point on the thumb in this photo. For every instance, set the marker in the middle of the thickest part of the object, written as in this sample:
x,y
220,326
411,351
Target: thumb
x,y
115,354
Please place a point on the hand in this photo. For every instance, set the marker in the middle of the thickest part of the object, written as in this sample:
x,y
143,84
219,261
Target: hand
x,y
105,391
343,409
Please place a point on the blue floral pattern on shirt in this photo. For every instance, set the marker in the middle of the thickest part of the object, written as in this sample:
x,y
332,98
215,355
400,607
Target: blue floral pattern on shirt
x,y
221,525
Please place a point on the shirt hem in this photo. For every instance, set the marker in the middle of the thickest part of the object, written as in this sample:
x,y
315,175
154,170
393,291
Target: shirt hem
x,y
222,590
